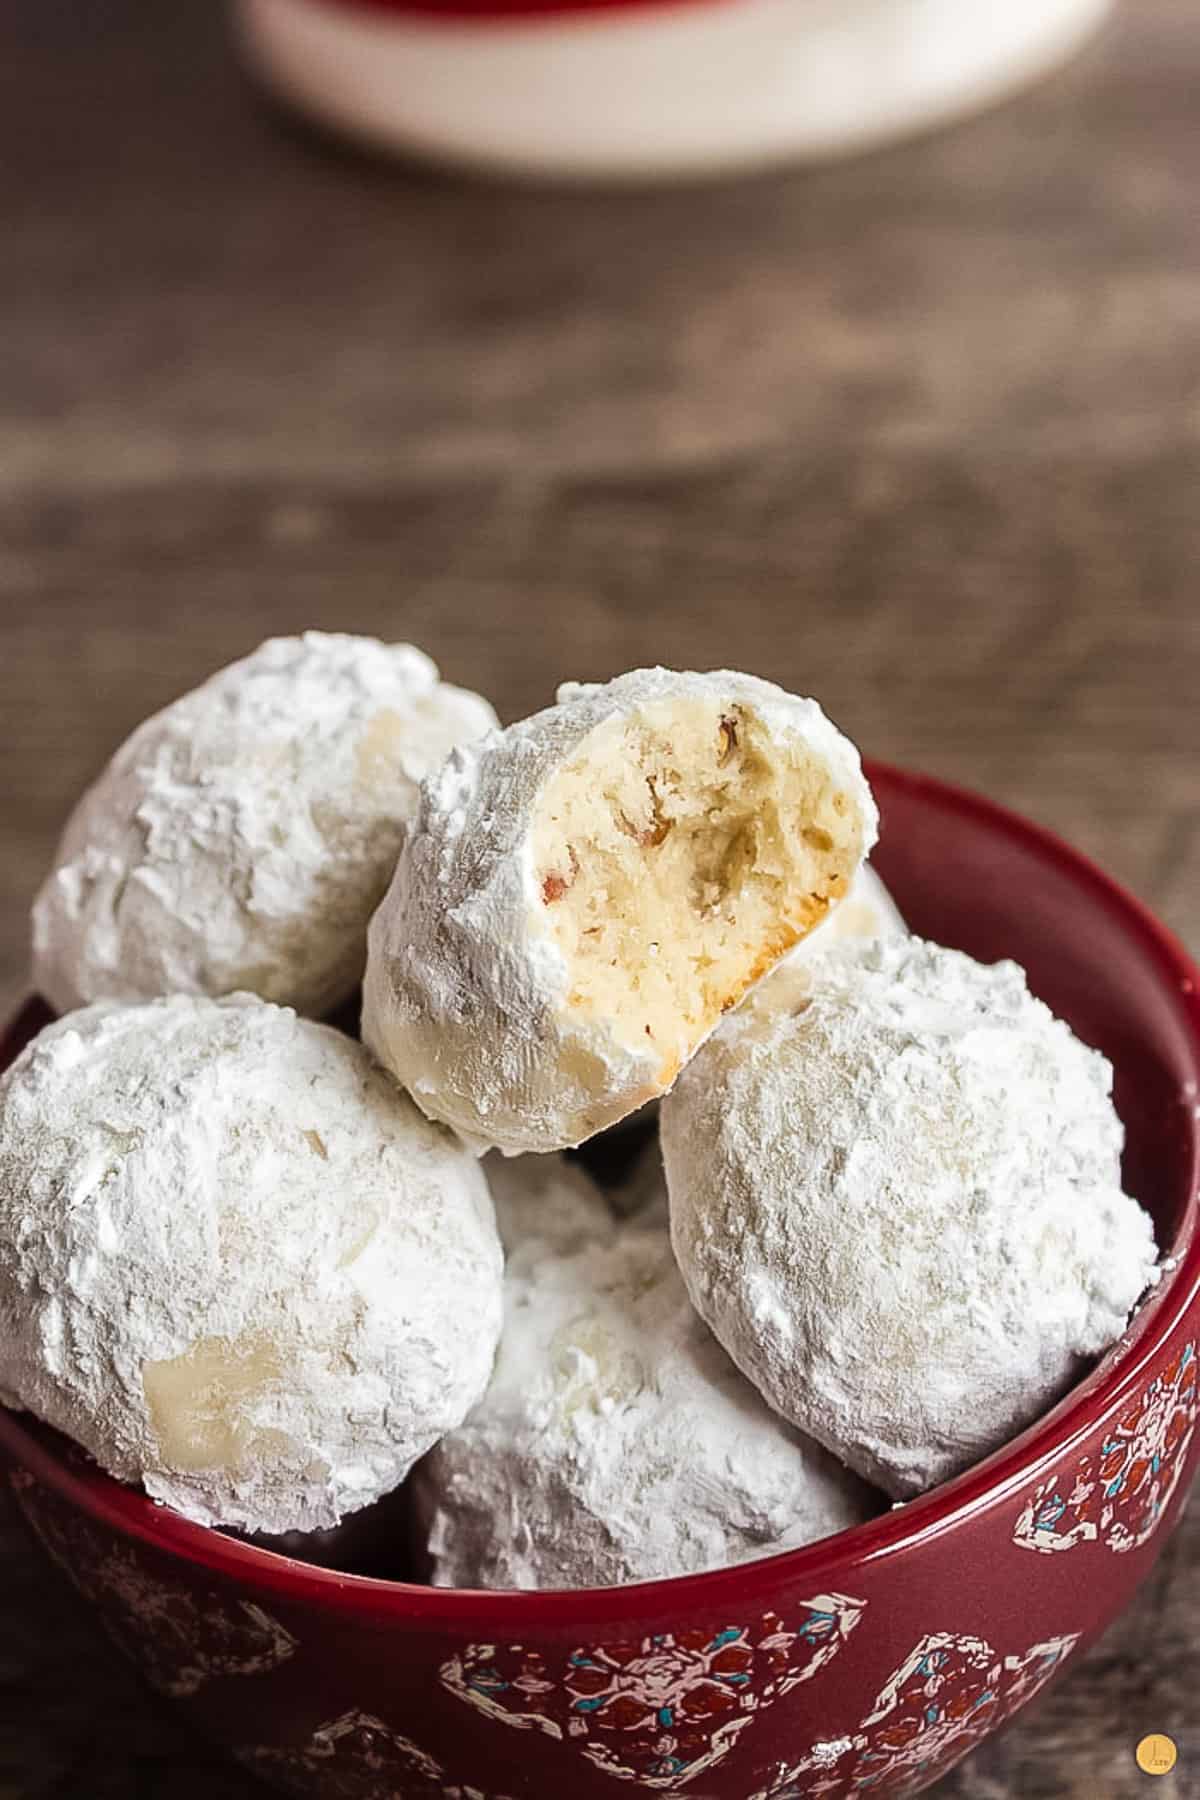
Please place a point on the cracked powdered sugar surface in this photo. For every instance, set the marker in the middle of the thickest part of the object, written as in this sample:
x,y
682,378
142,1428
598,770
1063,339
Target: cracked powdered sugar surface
x,y
616,1441
241,838
898,1204
235,1263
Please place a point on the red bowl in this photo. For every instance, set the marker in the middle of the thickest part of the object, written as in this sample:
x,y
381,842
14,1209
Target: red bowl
x,y
874,1660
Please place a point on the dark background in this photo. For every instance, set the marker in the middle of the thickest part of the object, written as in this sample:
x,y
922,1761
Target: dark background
x,y
919,434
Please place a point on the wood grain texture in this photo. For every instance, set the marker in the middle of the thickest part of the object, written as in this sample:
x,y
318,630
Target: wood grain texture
x,y
919,434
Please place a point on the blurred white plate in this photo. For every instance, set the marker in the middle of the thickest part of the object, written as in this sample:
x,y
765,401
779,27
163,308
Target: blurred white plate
x,y
641,90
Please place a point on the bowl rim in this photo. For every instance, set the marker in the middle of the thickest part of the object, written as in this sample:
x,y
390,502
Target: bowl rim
x,y
1013,1468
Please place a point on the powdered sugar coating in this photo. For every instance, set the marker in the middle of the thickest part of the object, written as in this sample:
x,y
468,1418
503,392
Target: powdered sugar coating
x,y
235,1264
466,999
616,1441
550,1198
898,1205
241,838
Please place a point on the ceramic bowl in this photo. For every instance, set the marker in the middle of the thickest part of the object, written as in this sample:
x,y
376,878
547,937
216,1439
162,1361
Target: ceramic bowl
x,y
874,1660
649,90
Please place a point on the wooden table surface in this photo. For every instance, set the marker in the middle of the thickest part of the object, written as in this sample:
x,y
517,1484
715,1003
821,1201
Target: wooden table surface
x,y
917,434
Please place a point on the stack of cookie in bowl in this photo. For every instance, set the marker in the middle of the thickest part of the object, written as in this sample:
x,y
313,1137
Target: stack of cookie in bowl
x,y
273,1272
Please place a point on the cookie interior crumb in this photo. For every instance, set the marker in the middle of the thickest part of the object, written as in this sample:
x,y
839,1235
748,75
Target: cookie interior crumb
x,y
678,855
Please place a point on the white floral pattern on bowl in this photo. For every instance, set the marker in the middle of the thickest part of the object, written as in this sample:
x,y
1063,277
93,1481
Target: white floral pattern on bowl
x,y
661,1710
947,1693
178,1641
1120,1493
357,1757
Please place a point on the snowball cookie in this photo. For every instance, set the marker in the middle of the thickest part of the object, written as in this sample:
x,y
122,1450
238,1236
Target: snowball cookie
x,y
583,895
547,1197
235,1264
241,838
617,1442
899,1206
